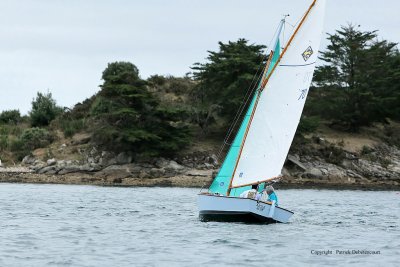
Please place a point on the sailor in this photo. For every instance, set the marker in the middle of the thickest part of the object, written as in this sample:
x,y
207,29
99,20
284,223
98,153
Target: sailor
x,y
252,193
270,192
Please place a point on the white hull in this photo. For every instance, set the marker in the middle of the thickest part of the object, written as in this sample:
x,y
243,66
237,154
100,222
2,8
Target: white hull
x,y
222,208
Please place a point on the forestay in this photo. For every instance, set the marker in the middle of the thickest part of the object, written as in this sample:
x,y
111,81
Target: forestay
x,y
278,111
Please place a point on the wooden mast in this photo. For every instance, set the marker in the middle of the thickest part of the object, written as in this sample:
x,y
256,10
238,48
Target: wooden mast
x,y
259,94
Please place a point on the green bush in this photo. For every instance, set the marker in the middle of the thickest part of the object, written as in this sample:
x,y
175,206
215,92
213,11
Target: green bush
x,y
15,130
178,86
392,135
3,142
33,138
308,124
157,80
10,116
333,154
17,145
4,130
44,110
70,127
366,150
101,105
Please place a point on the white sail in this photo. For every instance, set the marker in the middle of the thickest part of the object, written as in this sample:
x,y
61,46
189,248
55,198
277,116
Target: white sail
x,y
280,105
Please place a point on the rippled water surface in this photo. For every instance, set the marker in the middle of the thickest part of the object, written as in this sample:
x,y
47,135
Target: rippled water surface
x,y
61,225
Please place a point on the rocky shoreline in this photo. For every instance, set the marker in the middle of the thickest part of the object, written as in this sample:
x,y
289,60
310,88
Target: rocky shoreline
x,y
184,181
312,170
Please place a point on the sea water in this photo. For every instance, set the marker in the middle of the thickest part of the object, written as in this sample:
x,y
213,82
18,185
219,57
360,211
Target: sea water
x,y
66,225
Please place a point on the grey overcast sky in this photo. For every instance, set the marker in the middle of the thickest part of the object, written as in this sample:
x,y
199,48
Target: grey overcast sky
x,y
62,46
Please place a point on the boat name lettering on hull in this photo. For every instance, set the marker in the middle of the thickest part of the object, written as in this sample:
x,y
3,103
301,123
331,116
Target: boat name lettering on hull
x,y
260,207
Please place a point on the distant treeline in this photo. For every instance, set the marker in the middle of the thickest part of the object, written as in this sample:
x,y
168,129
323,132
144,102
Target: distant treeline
x,y
357,85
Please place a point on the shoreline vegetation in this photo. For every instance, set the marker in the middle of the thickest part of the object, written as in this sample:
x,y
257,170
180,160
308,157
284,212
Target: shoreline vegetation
x,y
167,131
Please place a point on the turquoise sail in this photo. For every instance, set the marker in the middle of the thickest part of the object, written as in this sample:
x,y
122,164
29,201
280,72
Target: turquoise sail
x,y
222,180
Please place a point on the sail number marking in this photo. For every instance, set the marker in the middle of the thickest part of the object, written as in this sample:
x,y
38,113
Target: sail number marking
x,y
303,93
260,207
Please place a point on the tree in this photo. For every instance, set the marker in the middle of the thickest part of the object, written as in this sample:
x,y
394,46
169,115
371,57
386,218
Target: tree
x,y
44,110
129,118
224,80
358,84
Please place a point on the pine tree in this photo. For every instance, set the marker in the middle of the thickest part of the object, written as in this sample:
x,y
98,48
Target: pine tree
x,y
130,118
224,80
357,85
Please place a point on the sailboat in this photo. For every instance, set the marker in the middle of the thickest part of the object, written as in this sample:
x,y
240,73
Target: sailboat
x,y
259,150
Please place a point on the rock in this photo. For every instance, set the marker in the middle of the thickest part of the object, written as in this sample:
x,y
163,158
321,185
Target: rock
x,y
15,169
93,152
169,165
146,165
285,172
135,170
51,162
117,180
324,171
124,158
212,159
62,147
61,163
69,169
156,173
161,163
170,173
201,173
37,167
352,174
313,173
174,165
208,166
28,160
107,161
295,160
347,163
350,156
47,169
119,171
89,167
144,174
80,140
38,162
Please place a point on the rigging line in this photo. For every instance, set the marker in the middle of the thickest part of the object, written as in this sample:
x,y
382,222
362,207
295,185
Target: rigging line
x,y
259,67
297,22
276,37
236,121
243,105
247,97
245,100
290,24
